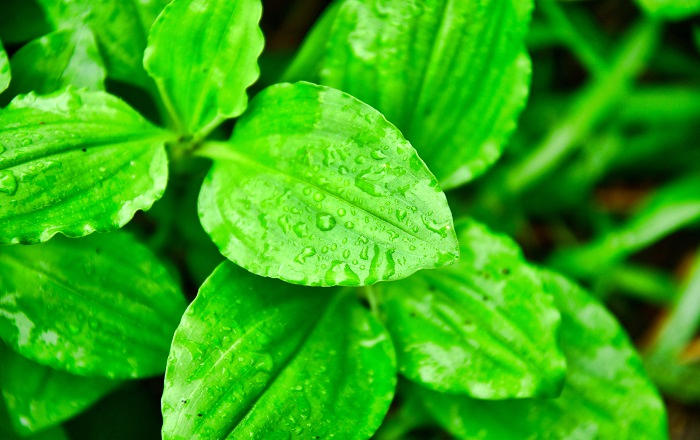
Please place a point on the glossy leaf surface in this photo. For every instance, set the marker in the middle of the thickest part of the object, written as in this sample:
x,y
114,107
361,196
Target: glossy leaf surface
x,y
38,397
318,188
4,69
259,358
483,326
203,55
101,305
670,9
56,60
75,162
121,28
607,394
452,75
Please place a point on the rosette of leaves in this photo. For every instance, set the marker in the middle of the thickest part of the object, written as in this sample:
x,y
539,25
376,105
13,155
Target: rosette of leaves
x,y
320,185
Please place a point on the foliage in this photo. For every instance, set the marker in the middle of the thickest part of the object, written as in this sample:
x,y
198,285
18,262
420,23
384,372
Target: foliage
x,y
349,304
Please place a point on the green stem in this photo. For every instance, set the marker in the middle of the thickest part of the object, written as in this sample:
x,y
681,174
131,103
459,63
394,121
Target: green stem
x,y
593,103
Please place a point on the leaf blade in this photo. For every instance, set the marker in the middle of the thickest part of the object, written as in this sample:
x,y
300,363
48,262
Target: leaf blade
x,y
343,198
397,58
76,162
483,326
5,74
180,46
607,394
286,367
100,306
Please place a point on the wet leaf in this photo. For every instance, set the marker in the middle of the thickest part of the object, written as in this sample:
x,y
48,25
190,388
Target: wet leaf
x,y
38,397
258,358
203,55
483,327
75,162
607,393
101,305
452,75
56,60
318,188
4,69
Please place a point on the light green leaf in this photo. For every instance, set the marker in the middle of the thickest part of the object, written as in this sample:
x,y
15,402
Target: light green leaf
x,y
672,207
121,28
607,394
56,60
101,305
670,9
452,75
75,162
483,326
38,397
203,55
4,69
258,358
317,188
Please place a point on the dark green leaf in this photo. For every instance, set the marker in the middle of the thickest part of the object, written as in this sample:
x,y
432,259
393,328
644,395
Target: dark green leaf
x,y
38,397
607,394
56,60
317,188
22,20
121,28
672,207
258,358
452,75
203,55
75,162
483,326
101,305
7,433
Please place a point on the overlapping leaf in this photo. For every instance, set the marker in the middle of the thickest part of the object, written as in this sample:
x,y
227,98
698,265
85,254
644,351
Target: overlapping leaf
x,y
258,358
483,326
61,58
607,394
101,305
8,433
75,162
38,397
121,28
452,75
203,55
317,188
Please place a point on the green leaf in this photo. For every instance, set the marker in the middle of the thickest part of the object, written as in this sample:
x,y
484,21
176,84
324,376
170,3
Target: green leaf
x,y
7,433
203,55
483,326
100,306
38,397
672,207
452,75
121,28
670,9
56,60
317,188
258,358
4,69
607,394
75,162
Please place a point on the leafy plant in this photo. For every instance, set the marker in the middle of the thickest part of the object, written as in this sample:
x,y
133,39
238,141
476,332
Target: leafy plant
x,y
347,281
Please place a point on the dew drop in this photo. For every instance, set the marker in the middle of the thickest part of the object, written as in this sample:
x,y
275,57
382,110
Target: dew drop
x,y
341,212
325,222
346,254
304,254
401,214
377,155
349,225
318,197
8,182
301,229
